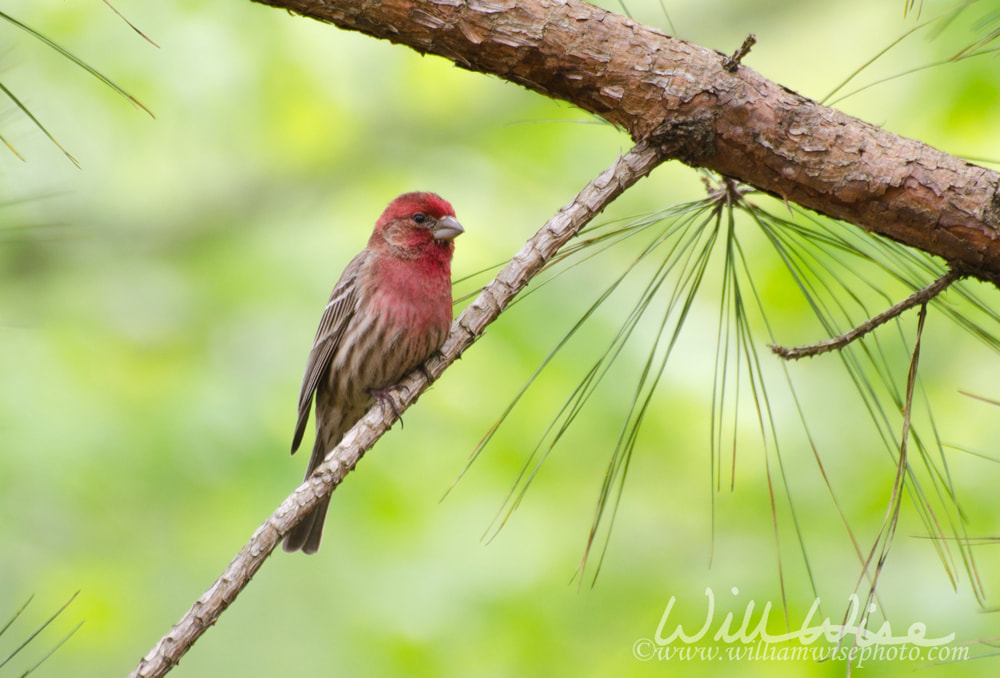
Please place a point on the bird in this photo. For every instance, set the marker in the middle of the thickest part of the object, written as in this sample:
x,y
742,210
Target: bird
x,y
389,312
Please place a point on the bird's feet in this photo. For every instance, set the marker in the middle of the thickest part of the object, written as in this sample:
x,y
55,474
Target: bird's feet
x,y
427,373
383,396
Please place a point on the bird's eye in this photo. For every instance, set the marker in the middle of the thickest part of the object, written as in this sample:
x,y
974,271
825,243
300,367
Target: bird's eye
x,y
419,218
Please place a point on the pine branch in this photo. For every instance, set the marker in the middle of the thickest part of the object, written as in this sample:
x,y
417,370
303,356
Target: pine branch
x,y
738,124
340,461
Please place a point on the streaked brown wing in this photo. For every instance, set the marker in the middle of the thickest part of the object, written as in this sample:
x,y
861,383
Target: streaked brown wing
x,y
336,317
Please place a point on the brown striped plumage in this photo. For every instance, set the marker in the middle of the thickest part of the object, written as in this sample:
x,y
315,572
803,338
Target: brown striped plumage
x,y
390,310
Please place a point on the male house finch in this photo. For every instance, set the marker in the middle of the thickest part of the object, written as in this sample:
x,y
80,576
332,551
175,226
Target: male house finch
x,y
390,310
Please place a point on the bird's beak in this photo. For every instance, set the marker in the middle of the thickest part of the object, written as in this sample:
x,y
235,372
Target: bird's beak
x,y
447,228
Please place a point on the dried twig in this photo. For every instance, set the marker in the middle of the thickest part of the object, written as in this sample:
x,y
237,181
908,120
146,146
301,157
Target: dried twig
x,y
921,296
731,63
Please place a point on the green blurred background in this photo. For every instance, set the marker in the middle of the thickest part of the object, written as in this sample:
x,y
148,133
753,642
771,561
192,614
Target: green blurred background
x,y
157,305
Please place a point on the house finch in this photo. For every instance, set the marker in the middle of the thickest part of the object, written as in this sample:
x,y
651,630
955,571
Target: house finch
x,y
390,310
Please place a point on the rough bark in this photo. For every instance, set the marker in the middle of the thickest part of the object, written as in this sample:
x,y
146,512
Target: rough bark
x,y
736,123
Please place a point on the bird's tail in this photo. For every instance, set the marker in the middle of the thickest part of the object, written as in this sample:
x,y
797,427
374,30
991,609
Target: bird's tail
x,y
307,534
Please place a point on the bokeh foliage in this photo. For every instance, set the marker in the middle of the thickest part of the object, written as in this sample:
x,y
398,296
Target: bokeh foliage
x,y
157,305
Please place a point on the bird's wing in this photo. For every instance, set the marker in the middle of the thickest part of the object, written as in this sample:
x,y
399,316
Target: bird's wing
x,y
336,317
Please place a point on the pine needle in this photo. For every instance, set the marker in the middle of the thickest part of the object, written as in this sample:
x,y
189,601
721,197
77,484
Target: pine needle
x,y
28,113
130,24
76,60
37,631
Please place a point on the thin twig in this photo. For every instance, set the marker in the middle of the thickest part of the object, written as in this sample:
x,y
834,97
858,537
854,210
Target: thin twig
x,y
731,63
921,296
469,326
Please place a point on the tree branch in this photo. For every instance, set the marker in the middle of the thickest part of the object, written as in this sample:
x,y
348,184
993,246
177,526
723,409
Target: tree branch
x,y
340,461
921,296
738,124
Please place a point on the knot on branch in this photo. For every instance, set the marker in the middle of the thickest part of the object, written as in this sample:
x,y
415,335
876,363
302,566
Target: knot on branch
x,y
690,140
991,215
